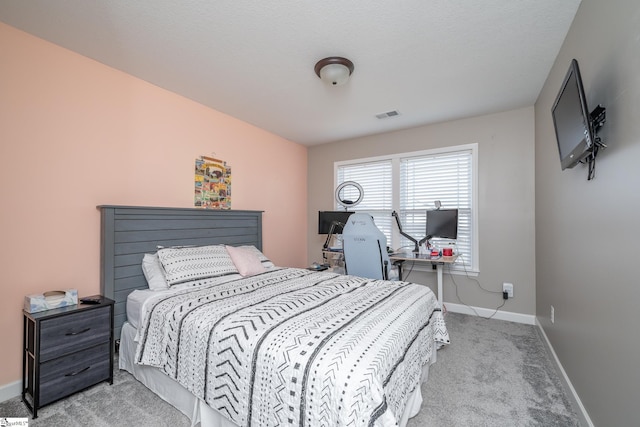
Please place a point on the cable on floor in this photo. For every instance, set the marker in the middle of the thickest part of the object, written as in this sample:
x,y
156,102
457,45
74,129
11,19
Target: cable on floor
x,y
455,285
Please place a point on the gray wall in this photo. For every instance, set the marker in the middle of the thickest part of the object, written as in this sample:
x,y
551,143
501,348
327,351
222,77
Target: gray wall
x,y
506,198
587,233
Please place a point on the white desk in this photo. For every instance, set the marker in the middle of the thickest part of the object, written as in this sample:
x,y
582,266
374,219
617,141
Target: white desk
x,y
400,258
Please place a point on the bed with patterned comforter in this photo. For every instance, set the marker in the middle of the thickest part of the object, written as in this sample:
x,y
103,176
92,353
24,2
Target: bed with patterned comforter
x,y
295,347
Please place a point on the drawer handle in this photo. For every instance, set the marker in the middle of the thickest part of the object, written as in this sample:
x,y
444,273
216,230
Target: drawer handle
x,y
73,374
78,333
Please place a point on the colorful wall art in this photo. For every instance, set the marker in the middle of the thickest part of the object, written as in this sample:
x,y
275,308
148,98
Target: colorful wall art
x,y
212,183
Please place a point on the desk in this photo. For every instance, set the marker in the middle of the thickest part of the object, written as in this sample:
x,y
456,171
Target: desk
x,y
400,258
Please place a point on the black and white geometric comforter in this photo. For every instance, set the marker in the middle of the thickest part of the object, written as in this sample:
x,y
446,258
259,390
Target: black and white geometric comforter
x,y
293,347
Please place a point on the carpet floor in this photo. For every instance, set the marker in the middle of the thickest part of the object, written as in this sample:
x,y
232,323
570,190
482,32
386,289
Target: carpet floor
x,y
494,373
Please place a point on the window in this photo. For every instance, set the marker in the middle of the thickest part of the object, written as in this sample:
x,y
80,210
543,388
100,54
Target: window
x,y
375,178
410,183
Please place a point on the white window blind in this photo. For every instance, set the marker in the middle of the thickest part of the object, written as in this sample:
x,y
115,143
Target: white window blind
x,y
410,183
446,177
376,181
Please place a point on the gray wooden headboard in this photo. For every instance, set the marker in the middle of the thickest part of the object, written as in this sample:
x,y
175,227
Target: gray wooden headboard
x,y
128,232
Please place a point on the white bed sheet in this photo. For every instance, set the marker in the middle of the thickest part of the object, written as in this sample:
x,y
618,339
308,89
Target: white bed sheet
x,y
135,300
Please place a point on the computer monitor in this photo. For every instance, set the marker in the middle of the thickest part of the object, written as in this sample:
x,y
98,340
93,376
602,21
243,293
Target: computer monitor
x,y
442,223
325,218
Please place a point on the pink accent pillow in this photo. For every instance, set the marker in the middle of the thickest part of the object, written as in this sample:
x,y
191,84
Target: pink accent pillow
x,y
246,261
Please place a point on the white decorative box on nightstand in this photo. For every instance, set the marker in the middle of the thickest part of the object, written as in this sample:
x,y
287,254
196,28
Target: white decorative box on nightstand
x,y
50,300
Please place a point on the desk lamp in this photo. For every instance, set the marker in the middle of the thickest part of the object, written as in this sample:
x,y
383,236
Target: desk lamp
x,y
346,203
416,243
334,224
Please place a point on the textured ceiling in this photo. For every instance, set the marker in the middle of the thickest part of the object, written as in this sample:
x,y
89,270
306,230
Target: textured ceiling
x,y
431,60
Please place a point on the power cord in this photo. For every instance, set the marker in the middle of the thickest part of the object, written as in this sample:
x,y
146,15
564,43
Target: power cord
x,y
405,275
592,163
464,266
455,285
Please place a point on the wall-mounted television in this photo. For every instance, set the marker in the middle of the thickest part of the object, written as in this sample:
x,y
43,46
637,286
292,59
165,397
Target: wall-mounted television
x,y
572,120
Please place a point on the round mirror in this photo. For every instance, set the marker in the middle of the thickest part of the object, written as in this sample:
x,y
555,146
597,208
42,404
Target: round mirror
x,y
349,194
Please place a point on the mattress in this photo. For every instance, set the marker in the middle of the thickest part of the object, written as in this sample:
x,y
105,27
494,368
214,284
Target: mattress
x,y
135,301
137,298
294,346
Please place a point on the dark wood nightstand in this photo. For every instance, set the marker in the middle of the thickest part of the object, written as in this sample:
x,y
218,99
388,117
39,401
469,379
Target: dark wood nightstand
x,y
66,350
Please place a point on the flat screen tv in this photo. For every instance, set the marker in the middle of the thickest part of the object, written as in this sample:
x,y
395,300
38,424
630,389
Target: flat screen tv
x,y
325,218
442,223
572,121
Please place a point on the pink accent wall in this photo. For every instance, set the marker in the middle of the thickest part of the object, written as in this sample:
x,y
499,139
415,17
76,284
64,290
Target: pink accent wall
x,y
75,134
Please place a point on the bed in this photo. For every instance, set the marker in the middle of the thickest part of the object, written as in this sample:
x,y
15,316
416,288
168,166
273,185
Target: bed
x,y
280,346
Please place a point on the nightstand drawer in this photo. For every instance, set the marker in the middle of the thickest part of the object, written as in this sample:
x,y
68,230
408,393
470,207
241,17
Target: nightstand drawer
x,y
73,332
66,375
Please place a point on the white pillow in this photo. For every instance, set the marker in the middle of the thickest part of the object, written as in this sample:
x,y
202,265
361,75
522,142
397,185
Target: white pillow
x,y
154,273
245,260
198,262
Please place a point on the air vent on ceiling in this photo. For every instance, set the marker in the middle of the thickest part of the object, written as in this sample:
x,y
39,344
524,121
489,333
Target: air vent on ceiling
x,y
387,114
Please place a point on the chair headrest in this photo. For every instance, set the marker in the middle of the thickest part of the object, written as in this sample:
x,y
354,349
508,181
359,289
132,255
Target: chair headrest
x,y
361,223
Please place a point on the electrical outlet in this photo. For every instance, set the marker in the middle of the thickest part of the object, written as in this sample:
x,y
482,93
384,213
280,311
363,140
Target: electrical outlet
x,y
553,315
508,288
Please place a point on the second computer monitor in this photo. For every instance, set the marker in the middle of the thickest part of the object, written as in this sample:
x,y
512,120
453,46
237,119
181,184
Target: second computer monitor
x,y
442,223
325,218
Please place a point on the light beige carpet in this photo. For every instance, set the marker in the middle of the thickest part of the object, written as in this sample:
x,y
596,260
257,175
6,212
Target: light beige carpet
x,y
494,373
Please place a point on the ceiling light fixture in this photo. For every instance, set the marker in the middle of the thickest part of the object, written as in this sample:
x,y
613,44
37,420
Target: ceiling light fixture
x,y
334,70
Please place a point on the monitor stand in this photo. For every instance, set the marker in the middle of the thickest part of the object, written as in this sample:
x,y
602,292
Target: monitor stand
x,y
416,243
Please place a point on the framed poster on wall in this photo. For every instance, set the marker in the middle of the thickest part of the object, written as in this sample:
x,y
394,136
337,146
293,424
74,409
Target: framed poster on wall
x,y
212,183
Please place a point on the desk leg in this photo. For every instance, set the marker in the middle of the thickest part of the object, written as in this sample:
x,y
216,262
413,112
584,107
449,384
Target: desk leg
x,y
399,265
439,272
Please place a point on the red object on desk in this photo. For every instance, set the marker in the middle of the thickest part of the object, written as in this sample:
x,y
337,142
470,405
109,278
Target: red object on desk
x,y
447,252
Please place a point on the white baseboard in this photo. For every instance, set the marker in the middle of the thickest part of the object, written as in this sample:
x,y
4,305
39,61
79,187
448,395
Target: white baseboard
x,y
528,319
582,413
11,390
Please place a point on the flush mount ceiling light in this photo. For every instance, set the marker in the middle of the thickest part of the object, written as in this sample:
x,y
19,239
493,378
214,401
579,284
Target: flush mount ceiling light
x,y
334,70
